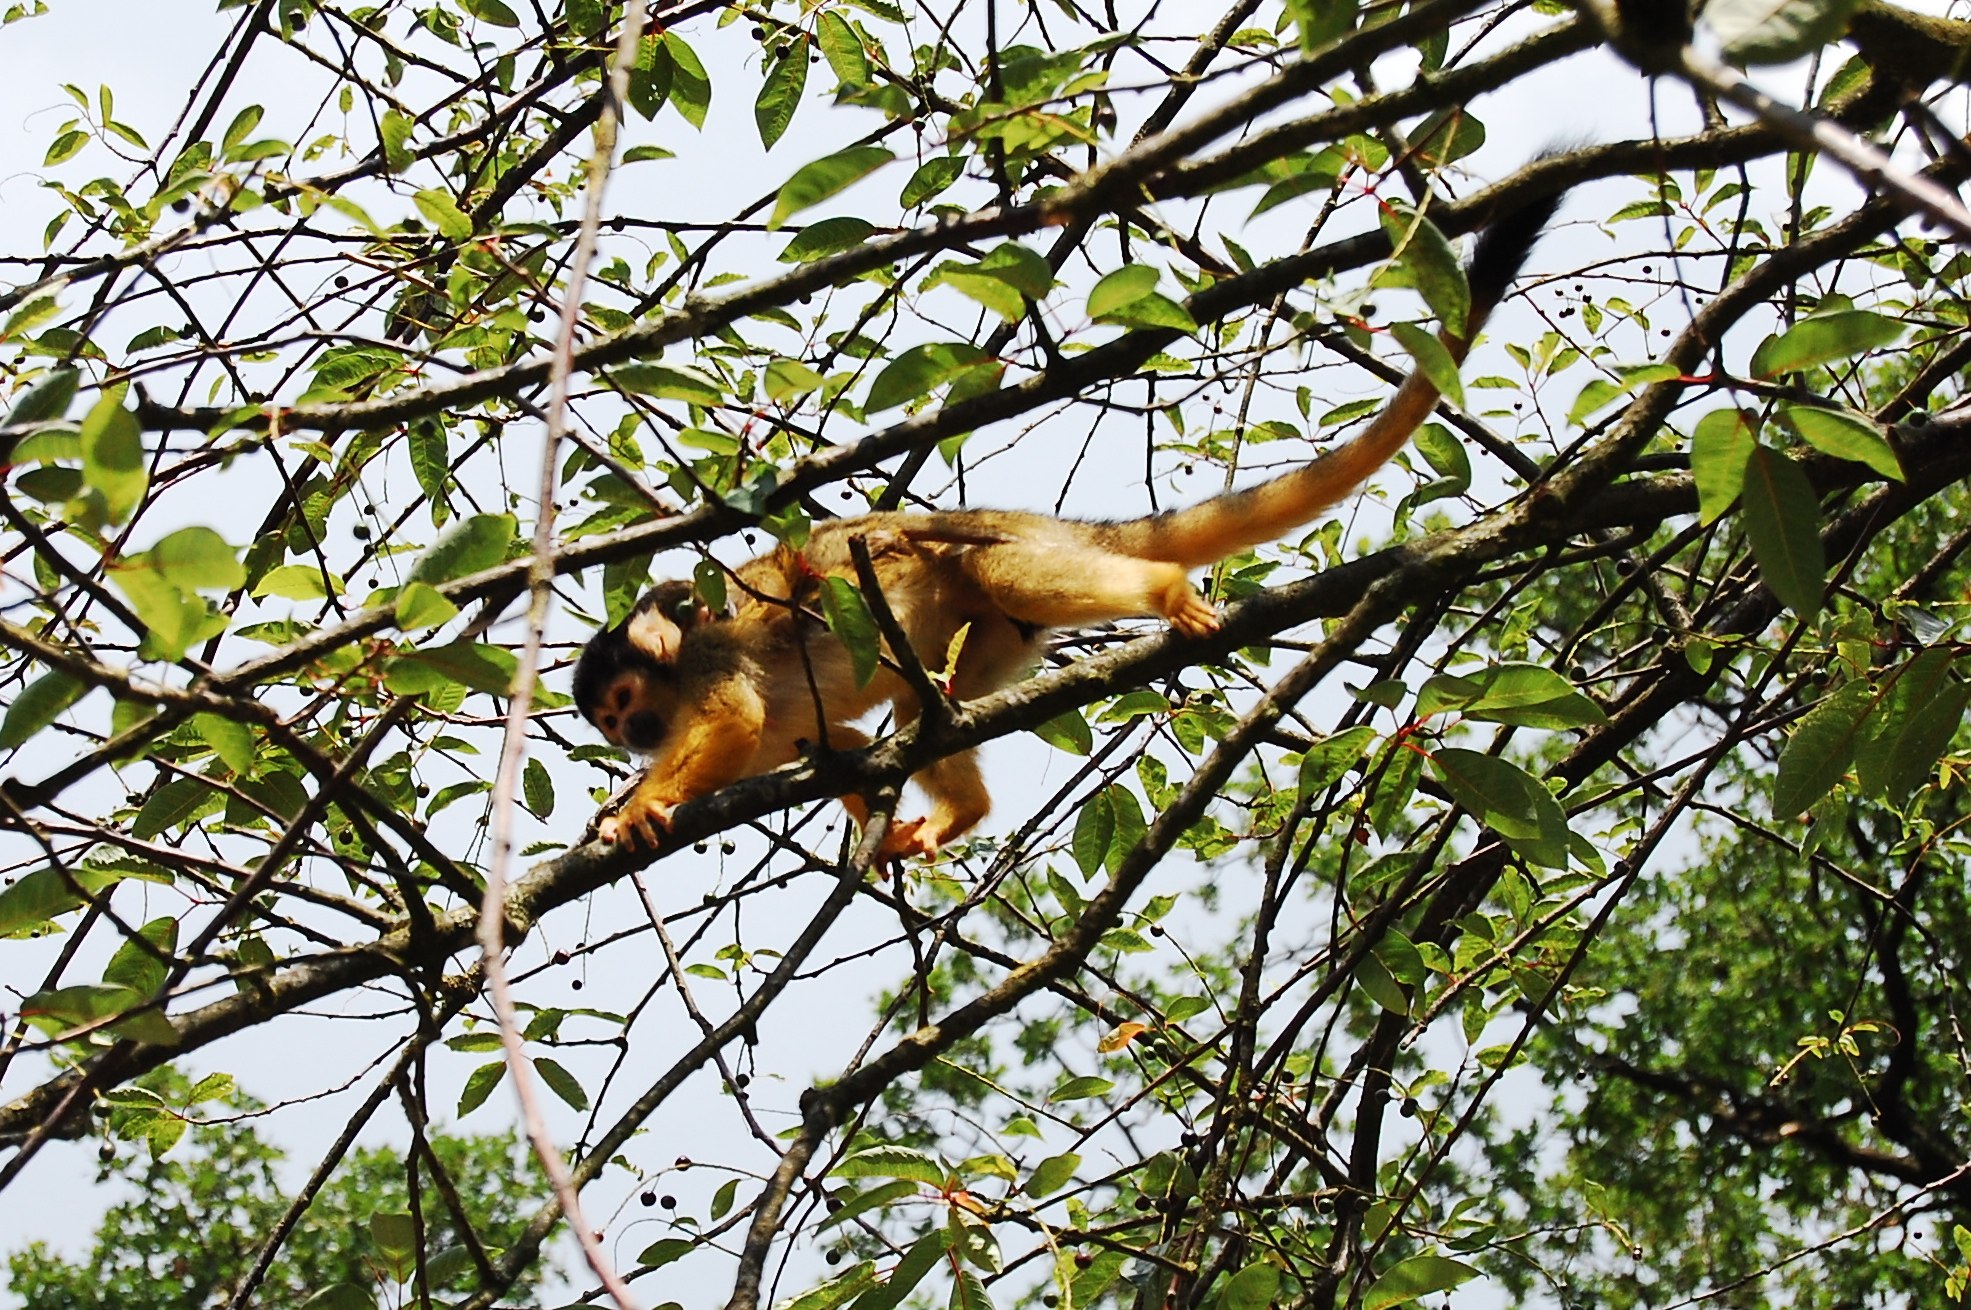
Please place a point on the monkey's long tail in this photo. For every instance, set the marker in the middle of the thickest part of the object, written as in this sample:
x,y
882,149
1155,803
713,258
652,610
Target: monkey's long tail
x,y
1207,532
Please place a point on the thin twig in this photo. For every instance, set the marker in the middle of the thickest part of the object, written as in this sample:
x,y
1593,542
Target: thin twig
x,y
513,747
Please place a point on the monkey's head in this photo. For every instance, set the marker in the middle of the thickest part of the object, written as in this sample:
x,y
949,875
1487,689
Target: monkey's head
x,y
626,678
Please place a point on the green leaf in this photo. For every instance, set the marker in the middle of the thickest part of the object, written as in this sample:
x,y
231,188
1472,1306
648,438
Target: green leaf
x,y
1820,749
1523,695
967,1292
825,177
241,127
670,382
443,213
491,11
1420,1275
479,1085
1776,31
665,1250
842,48
1094,829
780,93
296,582
537,791
894,1162
922,1257
39,704
1069,732
468,546
1912,726
932,177
1125,286
141,970
1843,434
1423,253
421,605
1081,1089
1720,449
848,617
1380,986
876,1198
559,1080
1052,1174
113,456
196,559
788,379
1509,801
1153,311
831,236
1252,1288
47,399
42,896
1823,339
918,371
1432,357
170,806
1782,520
231,740
691,87
835,1291
1325,763
341,1296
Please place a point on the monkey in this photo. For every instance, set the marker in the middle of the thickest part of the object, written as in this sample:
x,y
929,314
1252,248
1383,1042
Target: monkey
x,y
714,697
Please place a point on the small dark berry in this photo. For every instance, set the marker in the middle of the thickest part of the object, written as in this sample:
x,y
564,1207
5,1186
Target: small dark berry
x,y
668,1202
1083,1259
575,984
561,957
180,205
341,281
648,1198
834,1257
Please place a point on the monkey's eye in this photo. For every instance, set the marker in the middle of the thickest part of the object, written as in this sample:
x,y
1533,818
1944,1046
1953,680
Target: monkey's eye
x,y
684,612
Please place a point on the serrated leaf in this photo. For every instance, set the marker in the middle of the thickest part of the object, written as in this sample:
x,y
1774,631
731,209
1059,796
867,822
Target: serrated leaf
x,y
443,213
479,1085
138,968
1420,1275
1094,829
231,740
1822,339
1379,986
1820,749
1509,801
1252,1288
670,382
923,1256
848,617
831,236
1324,763
1431,356
1423,253
1776,31
780,93
919,371
1843,434
932,177
691,86
113,456
831,174
472,544
789,379
1782,521
491,11
1052,1174
47,399
835,1291
842,48
559,1080
1911,727
1720,448
421,605
665,1250
1124,286
39,704
537,791
1067,731
875,1198
1081,1089
894,1162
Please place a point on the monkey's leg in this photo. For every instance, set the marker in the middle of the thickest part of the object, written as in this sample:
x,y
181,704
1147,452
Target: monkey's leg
x,y
959,799
713,745
1055,584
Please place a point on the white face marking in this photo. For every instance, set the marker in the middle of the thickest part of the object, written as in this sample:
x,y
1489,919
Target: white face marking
x,y
656,634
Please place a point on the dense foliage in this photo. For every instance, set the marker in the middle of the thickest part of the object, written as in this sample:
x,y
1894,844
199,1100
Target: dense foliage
x,y
1546,886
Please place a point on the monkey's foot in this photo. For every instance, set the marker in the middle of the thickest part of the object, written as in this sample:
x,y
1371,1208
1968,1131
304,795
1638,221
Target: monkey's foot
x,y
1194,616
637,823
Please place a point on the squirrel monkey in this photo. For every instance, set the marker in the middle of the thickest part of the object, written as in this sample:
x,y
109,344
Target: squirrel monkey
x,y
714,698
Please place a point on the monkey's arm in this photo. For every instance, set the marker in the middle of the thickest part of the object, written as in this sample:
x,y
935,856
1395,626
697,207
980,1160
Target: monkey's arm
x,y
713,742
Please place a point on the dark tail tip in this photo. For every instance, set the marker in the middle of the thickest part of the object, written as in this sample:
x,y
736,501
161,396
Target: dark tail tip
x,y
1503,247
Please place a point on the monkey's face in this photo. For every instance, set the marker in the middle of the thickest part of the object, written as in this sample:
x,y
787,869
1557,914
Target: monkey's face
x,y
635,710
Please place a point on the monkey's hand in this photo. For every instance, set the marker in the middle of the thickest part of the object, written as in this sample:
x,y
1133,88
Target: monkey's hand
x,y
1194,616
642,821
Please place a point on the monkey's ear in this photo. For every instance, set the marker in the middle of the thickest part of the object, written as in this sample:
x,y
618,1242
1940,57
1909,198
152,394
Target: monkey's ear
x,y
656,633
